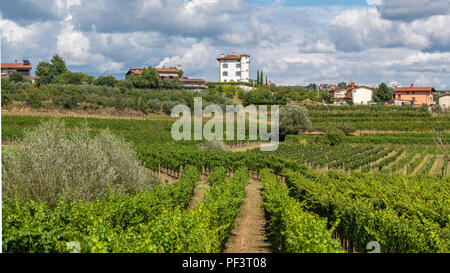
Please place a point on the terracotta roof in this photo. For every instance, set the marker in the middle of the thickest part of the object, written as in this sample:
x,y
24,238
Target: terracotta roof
x,y
16,65
229,57
413,88
137,71
191,80
245,55
166,70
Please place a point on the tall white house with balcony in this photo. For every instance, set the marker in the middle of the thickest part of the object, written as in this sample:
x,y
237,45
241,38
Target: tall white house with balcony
x,y
234,68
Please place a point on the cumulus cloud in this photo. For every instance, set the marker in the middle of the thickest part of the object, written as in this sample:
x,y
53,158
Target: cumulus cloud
x,y
292,45
410,10
359,29
178,17
26,12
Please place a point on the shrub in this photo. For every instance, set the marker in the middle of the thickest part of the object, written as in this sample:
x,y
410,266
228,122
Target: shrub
x,y
154,106
334,136
16,77
33,100
105,81
56,163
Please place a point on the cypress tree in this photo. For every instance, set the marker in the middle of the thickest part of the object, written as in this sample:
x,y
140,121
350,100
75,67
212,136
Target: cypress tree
x,y
257,76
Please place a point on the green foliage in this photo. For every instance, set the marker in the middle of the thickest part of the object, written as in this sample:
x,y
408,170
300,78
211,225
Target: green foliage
x,y
108,225
58,66
290,227
383,93
54,163
379,207
109,81
47,72
334,136
262,96
293,119
16,77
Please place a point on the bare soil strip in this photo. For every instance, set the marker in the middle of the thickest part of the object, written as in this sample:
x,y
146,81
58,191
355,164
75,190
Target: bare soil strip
x,y
436,169
249,234
199,192
422,164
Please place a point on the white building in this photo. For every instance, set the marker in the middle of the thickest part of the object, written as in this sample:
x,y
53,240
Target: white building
x,y
234,68
351,92
444,101
362,95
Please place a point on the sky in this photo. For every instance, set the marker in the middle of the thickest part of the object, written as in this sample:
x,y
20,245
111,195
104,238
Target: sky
x,y
294,42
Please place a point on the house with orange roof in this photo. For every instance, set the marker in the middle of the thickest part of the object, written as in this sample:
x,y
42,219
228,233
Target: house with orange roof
x,y
165,73
414,96
24,68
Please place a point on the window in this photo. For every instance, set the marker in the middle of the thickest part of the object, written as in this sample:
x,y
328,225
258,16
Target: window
x,y
238,66
225,65
225,73
399,96
238,73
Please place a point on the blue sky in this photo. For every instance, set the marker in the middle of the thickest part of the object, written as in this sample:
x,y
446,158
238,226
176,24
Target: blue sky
x,y
294,42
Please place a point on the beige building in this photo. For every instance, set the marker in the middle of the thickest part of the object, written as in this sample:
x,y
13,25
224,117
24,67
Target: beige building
x,y
444,101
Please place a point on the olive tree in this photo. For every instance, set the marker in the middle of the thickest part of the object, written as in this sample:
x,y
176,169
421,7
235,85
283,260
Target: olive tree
x,y
293,119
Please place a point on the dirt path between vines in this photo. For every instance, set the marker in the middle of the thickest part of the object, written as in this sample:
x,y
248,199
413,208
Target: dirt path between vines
x,y
249,235
421,164
199,192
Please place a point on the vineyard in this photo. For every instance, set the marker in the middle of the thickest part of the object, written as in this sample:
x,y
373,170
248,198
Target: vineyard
x,y
312,197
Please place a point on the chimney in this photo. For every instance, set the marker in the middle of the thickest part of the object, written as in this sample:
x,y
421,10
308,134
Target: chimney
x,y
223,55
179,66
353,85
412,84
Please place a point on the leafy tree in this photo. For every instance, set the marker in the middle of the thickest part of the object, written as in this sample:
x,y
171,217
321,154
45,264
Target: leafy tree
x,y
383,93
180,73
105,81
43,71
48,71
16,77
293,119
58,66
151,77
342,84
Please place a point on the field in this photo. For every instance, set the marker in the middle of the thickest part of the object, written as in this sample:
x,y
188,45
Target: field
x,y
387,181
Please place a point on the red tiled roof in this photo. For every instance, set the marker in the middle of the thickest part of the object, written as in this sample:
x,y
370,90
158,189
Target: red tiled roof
x,y
229,57
413,88
191,80
16,65
166,70
135,71
245,55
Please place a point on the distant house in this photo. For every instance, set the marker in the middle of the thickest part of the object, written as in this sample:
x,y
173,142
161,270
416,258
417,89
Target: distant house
x,y
353,93
414,96
24,68
444,100
196,84
165,73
